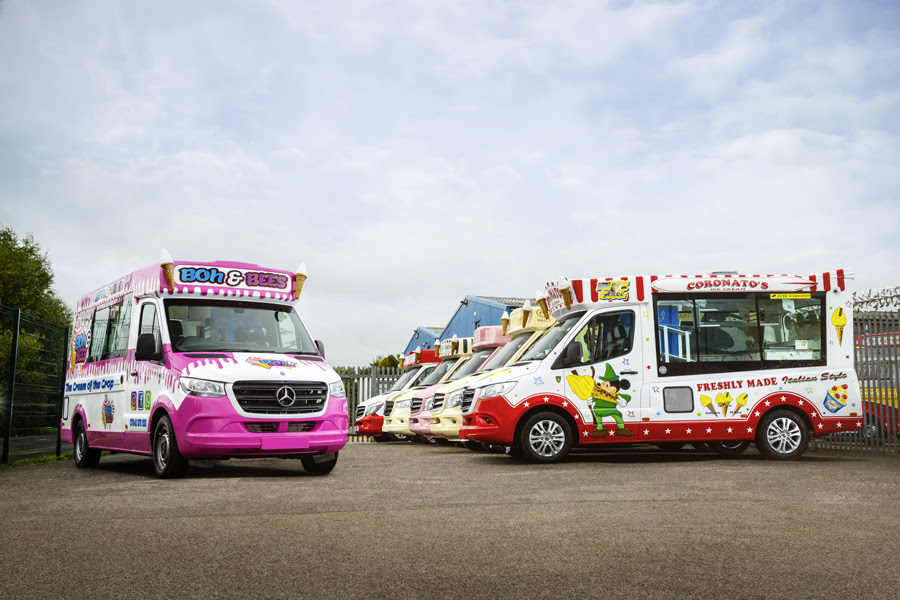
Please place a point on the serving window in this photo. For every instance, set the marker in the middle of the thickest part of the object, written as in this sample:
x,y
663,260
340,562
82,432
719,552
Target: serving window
x,y
738,332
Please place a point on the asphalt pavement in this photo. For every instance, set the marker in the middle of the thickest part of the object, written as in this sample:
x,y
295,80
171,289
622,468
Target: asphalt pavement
x,y
413,521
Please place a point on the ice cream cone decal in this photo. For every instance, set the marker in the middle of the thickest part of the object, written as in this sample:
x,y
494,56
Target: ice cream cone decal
x,y
299,280
566,291
526,311
739,403
542,302
707,402
504,323
723,400
839,320
168,267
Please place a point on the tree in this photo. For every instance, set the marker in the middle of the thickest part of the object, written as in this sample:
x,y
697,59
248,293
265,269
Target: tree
x,y
26,279
386,362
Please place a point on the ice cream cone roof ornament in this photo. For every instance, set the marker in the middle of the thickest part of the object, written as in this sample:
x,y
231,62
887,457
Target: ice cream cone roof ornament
x,y
565,289
454,343
418,353
168,267
504,323
299,279
542,302
526,311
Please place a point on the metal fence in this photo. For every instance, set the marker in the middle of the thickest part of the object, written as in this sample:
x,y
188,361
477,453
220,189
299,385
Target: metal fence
x,y
878,367
32,364
361,383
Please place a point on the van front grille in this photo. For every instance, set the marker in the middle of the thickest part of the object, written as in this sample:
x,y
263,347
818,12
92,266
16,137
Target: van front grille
x,y
468,401
438,403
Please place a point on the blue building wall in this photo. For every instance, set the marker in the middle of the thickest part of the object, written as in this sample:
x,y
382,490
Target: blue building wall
x,y
422,338
472,312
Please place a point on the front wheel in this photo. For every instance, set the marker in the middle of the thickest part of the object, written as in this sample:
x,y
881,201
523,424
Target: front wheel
x,y
167,459
85,456
782,435
545,437
319,464
729,448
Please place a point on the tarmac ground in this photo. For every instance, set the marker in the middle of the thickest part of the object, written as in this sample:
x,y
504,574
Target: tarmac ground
x,y
405,520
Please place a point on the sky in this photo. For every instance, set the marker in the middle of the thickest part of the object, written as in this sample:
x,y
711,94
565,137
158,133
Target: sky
x,y
411,152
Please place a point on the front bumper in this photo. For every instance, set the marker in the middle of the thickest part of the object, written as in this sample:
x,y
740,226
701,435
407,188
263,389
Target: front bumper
x,y
492,422
370,425
211,428
398,422
420,423
447,423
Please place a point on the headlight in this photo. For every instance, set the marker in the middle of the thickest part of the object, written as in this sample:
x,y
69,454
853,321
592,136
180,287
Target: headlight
x,y
202,387
429,404
496,389
455,399
336,389
374,408
402,404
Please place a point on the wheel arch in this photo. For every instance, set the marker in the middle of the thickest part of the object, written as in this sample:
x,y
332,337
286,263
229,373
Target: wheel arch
x,y
547,408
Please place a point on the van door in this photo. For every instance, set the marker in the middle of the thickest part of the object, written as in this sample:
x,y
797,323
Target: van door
x,y
141,382
602,374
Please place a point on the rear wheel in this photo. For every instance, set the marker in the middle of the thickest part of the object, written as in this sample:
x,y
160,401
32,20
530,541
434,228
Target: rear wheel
x,y
85,456
729,448
319,464
782,435
167,459
545,437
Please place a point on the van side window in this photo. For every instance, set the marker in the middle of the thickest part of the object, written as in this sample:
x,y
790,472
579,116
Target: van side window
x,y
99,331
606,336
120,325
738,332
149,322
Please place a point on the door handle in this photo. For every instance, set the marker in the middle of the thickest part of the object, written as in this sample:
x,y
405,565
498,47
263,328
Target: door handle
x,y
629,372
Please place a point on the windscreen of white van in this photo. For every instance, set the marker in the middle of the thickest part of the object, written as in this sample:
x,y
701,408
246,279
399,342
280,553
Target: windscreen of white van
x,y
554,335
230,326
506,352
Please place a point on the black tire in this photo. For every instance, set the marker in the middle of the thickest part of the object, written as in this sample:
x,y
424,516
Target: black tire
x,y
872,428
382,438
782,435
730,447
670,446
545,437
85,456
396,437
319,464
167,459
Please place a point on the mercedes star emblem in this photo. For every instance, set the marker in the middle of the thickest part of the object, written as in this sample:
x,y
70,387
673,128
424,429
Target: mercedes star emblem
x,y
285,396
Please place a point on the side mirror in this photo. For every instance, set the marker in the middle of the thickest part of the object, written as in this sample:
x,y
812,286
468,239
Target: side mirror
x,y
146,348
573,354
321,346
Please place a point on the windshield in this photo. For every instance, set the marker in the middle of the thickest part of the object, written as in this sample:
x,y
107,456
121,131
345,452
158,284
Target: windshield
x,y
553,336
404,379
439,372
472,364
230,326
506,352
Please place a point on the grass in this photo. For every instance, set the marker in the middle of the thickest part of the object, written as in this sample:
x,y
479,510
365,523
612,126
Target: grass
x,y
35,461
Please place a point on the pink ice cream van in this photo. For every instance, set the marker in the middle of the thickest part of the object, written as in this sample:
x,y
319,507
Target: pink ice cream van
x,y
201,360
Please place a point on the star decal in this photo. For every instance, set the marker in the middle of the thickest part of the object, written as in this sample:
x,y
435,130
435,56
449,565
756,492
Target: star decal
x,y
612,433
546,399
749,430
709,430
859,424
538,381
729,430
840,424
757,413
820,425
585,434
565,403
809,390
656,391
800,402
646,432
646,314
783,399
688,430
527,404
626,361
668,431
767,402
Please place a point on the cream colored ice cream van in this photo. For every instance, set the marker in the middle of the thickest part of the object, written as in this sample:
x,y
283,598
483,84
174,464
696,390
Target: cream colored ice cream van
x,y
453,353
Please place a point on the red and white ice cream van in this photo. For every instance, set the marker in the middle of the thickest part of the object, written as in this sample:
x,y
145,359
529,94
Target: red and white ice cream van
x,y
724,359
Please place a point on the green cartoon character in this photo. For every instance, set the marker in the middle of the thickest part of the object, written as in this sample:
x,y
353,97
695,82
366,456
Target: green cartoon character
x,y
605,396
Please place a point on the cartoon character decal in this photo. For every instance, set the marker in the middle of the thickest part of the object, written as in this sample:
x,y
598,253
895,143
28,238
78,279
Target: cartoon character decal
x,y
109,411
606,397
